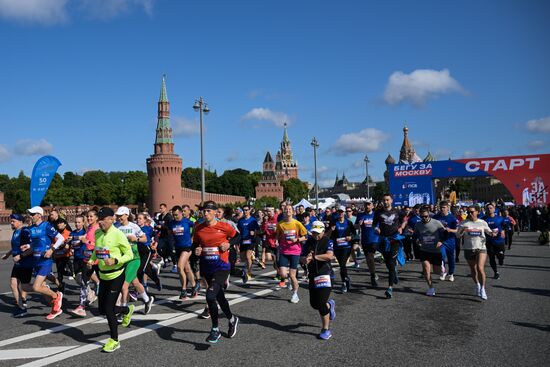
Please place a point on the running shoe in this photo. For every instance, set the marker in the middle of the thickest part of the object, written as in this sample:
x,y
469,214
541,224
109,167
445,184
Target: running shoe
x,y
205,314
119,318
478,290
133,295
294,298
483,294
430,292
79,311
347,282
325,334
126,319
53,314
244,276
332,310
56,303
91,297
232,331
344,288
442,276
389,293
174,269
111,346
183,294
19,312
497,275
373,281
451,278
148,305
24,302
356,265
159,286
280,285
195,291
214,336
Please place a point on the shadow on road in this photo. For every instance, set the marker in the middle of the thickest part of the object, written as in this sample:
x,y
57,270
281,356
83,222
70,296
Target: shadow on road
x,y
540,327
167,333
274,326
535,291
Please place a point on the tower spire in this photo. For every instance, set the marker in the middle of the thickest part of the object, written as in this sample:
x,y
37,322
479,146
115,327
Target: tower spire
x,y
163,139
163,96
285,135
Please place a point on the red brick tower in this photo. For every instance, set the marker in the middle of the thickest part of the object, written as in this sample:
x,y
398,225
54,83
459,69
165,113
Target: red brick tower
x,y
164,167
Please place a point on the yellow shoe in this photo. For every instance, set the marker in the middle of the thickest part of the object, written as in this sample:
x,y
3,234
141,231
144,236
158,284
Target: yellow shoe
x,y
111,346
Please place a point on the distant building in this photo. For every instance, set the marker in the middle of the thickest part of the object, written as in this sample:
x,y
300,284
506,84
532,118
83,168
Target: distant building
x,y
342,186
4,213
275,172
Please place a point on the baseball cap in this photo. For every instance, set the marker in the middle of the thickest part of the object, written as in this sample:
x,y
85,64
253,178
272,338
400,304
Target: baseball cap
x,y
36,210
122,210
16,216
317,227
341,208
105,212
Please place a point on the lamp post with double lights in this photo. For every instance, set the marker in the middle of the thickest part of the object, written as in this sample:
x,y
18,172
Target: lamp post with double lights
x,y
367,166
315,145
202,107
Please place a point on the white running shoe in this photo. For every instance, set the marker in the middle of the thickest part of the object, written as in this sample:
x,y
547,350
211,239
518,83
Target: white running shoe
x,y
483,294
430,292
478,290
294,298
442,276
451,278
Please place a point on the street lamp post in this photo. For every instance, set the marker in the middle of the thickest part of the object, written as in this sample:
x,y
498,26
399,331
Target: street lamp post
x,y
315,145
367,166
201,107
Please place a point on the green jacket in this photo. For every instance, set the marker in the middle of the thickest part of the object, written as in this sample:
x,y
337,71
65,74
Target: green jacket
x,y
112,244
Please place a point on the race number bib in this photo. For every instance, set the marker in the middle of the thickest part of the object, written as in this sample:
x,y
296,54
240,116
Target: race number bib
x,y
367,223
76,244
428,239
474,232
210,253
341,241
322,281
247,242
102,253
290,236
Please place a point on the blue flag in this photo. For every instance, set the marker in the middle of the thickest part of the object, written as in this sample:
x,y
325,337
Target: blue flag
x,y
42,176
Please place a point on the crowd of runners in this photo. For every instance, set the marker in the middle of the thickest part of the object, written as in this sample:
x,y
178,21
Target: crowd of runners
x,y
116,257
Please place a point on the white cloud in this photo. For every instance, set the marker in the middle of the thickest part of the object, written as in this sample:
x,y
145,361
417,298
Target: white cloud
x,y
539,125
470,154
536,144
109,9
265,114
184,127
33,147
365,141
5,154
419,86
34,11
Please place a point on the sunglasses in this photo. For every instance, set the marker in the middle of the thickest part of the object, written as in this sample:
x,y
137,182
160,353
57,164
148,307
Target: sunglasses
x,y
246,210
424,216
471,212
348,211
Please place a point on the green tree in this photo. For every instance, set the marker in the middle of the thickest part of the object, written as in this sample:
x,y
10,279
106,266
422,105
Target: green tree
x,y
295,190
266,201
379,190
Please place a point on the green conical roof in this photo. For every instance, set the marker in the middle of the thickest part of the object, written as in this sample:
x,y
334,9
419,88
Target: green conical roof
x,y
163,95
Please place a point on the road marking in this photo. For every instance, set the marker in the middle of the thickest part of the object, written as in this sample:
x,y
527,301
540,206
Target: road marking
x,y
156,316
134,333
90,320
27,353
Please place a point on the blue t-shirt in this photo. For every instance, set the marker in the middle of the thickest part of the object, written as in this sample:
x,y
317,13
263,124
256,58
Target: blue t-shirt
x,y
149,234
342,231
495,223
21,237
448,221
411,223
42,236
77,245
245,226
368,234
181,230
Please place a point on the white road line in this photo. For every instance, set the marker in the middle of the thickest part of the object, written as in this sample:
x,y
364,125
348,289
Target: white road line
x,y
27,353
134,333
156,316
95,319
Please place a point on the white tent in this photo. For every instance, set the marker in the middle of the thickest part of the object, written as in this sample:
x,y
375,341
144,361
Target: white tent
x,y
305,203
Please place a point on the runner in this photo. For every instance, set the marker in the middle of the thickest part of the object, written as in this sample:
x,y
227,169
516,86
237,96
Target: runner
x,y
42,235
355,248
134,234
21,272
388,223
449,243
247,226
62,256
369,239
410,244
165,240
342,231
145,253
430,233
180,228
112,251
495,244
317,254
89,240
210,240
509,225
269,227
79,263
474,231
290,234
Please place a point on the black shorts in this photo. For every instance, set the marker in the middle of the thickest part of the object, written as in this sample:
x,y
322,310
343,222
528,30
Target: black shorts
x,y
247,247
435,258
24,275
370,248
472,254
179,250
219,277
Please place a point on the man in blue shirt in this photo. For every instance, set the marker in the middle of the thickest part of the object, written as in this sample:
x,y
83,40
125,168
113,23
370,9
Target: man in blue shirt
x,y
247,227
450,223
180,229
369,239
495,245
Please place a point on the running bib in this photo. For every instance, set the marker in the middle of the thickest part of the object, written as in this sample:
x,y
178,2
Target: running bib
x,y
428,239
473,232
76,244
178,230
322,281
37,253
102,253
367,223
341,241
271,226
60,251
290,236
210,253
247,242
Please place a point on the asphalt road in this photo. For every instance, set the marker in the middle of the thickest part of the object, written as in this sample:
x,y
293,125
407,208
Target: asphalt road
x,y
454,328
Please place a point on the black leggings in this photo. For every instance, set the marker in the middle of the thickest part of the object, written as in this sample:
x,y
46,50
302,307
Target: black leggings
x,y
509,237
342,255
145,255
495,252
215,295
107,297
390,258
60,265
408,247
166,250
318,298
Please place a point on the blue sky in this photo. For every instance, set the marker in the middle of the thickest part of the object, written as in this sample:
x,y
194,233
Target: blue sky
x,y
79,79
